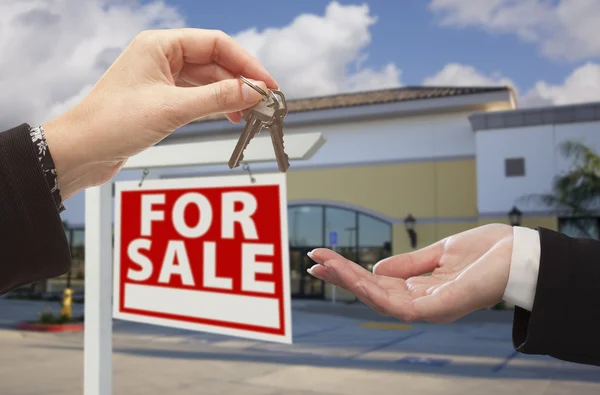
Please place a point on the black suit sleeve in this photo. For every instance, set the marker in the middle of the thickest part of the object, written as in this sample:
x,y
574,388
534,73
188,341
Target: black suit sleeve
x,y
565,319
33,244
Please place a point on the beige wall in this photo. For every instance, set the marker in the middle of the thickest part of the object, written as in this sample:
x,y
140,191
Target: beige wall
x,y
425,189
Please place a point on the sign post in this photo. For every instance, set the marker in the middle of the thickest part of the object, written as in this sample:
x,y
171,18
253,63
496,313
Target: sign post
x,y
98,245
97,343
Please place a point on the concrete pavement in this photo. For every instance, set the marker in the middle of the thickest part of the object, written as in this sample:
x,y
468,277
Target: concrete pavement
x,y
337,350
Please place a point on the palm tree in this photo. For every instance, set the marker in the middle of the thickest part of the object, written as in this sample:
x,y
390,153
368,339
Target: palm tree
x,y
576,193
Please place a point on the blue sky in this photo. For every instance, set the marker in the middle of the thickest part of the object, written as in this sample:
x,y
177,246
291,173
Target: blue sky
x,y
407,33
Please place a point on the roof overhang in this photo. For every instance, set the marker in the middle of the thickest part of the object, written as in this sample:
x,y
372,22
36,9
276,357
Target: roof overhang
x,y
552,115
468,102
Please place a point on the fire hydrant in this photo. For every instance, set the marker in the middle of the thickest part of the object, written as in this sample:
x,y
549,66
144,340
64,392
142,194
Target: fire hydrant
x,y
66,310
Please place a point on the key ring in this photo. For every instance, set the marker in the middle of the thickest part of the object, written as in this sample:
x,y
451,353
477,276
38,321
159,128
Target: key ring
x,y
254,86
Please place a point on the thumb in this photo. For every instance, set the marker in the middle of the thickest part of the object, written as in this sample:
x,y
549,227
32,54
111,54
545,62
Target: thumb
x,y
225,96
411,264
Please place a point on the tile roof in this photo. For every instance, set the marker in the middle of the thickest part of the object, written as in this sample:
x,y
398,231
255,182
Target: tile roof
x,y
377,97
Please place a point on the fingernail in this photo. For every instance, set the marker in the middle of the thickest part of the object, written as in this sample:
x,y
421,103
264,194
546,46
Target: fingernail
x,y
309,270
375,267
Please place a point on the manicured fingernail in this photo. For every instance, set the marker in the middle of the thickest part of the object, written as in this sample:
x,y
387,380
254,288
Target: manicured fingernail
x,y
375,267
310,255
310,270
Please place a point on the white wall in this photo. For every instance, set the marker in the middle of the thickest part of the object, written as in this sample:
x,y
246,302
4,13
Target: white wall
x,y
393,140
539,145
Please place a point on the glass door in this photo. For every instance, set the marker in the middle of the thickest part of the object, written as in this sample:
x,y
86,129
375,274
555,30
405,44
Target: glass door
x,y
303,285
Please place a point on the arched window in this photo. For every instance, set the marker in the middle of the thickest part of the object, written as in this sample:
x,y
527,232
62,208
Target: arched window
x,y
357,236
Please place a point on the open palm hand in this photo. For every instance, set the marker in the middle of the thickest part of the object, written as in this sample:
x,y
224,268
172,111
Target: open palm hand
x,y
468,271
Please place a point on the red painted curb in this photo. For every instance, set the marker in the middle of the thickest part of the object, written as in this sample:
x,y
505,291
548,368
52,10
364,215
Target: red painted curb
x,y
29,326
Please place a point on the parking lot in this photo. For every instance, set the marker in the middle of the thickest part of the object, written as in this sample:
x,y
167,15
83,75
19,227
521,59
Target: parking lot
x,y
338,349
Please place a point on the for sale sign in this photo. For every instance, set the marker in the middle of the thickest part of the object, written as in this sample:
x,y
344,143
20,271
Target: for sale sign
x,y
207,254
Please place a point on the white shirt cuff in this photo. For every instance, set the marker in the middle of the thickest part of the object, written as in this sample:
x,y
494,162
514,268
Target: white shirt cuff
x,y
524,268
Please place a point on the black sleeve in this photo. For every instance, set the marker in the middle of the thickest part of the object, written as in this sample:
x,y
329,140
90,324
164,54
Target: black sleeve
x,y
33,244
565,319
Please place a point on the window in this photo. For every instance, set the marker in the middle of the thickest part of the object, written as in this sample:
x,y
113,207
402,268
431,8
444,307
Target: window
x,y
359,237
514,167
341,230
305,226
582,227
374,240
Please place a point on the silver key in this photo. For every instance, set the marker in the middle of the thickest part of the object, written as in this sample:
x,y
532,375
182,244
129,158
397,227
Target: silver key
x,y
257,117
276,129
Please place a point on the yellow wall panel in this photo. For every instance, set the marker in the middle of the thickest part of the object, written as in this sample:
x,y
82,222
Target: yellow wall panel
x,y
391,190
425,189
456,189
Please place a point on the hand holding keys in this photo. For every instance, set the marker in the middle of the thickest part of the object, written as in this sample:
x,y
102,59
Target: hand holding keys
x,y
268,113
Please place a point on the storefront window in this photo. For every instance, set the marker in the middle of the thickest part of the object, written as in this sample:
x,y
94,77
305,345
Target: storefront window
x,y
341,231
305,226
374,240
359,237
356,236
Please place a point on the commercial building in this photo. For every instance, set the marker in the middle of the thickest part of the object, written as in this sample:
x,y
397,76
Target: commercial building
x,y
449,158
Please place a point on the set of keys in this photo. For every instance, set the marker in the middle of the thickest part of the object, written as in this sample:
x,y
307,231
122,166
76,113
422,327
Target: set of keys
x,y
268,113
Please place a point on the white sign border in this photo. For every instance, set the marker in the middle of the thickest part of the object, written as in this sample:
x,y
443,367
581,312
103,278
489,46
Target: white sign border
x,y
278,179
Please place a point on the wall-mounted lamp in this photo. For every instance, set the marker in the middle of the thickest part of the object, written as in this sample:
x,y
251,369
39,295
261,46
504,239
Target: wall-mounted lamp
x,y
514,216
409,223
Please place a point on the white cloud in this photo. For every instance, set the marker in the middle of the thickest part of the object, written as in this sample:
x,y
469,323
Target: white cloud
x,y
368,79
313,54
54,50
582,85
563,29
456,74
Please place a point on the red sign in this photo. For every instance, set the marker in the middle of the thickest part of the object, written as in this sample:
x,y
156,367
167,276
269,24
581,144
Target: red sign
x,y
208,254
